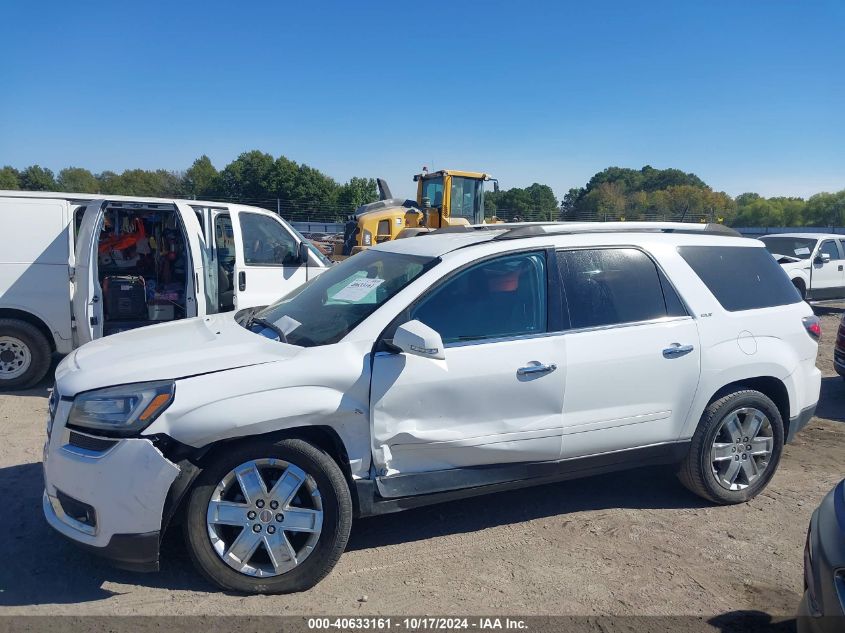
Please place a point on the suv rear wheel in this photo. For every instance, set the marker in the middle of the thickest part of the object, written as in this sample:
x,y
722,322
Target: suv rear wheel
x,y
269,518
735,449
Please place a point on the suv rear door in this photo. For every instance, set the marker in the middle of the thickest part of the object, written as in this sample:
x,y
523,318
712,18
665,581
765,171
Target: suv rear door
x,y
632,353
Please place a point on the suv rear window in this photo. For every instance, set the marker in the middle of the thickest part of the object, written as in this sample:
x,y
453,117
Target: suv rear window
x,y
740,277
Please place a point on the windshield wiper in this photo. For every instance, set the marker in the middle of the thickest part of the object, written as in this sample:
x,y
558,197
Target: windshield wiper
x,y
269,325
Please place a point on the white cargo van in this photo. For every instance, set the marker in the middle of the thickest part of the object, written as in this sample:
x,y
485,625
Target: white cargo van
x,y
76,267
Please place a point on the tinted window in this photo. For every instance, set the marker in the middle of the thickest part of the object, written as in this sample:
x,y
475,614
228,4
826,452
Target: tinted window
x,y
741,278
266,242
432,189
497,298
610,286
829,247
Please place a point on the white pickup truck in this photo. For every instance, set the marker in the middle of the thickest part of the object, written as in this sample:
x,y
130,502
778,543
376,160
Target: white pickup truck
x,y
815,262
75,267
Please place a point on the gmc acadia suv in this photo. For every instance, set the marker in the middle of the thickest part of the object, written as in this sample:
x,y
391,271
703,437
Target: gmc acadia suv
x,y
425,369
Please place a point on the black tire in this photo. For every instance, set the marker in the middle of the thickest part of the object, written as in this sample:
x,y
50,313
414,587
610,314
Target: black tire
x,y
337,517
696,472
801,288
39,351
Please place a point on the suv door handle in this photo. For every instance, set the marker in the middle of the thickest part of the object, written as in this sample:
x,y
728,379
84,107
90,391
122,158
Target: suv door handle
x,y
676,350
535,368
242,280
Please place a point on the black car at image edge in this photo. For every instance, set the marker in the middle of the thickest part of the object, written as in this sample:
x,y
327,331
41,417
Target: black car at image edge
x,y
823,606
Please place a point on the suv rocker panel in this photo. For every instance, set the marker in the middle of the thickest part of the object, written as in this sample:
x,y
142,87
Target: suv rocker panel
x,y
421,489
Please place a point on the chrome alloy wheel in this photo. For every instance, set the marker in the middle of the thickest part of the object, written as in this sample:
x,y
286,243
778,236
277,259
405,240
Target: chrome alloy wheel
x,y
264,517
15,357
742,448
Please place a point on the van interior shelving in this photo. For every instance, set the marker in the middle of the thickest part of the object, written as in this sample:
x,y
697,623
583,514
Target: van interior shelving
x,y
142,266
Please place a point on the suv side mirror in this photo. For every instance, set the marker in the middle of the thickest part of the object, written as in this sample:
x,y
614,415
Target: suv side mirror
x,y
822,258
415,337
303,253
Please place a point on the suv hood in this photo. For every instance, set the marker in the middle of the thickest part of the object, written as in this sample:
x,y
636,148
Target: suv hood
x,y
187,347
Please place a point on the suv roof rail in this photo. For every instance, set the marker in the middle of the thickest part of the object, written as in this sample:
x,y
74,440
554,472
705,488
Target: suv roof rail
x,y
515,231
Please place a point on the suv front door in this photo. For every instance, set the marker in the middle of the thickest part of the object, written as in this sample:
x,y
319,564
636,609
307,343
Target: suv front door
x,y
633,359
498,395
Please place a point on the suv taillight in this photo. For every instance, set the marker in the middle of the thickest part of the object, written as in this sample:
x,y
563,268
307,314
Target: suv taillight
x,y
813,326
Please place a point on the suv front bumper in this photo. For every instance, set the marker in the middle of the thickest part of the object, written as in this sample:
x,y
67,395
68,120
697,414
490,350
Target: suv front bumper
x,y
110,501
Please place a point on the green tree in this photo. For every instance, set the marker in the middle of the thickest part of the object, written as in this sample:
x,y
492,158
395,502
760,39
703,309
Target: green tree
x,y
37,178
77,179
248,176
201,179
10,178
356,192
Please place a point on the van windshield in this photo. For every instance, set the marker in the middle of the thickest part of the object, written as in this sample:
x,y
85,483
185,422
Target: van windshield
x,y
328,307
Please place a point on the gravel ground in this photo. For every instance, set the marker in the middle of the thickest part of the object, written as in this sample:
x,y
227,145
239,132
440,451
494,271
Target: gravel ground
x,y
632,543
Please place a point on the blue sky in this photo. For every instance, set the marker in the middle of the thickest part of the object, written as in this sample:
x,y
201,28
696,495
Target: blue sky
x,y
749,95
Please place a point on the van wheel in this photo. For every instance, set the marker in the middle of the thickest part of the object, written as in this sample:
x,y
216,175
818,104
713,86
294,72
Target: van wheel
x,y
735,449
24,354
269,518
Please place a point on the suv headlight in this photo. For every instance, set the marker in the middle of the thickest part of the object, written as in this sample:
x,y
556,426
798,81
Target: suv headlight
x,y
123,410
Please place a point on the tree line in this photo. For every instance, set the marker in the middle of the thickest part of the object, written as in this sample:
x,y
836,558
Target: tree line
x,y
297,190
302,192
619,193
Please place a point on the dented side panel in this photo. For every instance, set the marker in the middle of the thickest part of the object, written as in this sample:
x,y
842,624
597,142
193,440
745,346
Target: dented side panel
x,y
472,408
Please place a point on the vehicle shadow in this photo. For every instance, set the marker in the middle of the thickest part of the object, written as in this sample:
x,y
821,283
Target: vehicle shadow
x,y
751,622
614,490
59,573
832,399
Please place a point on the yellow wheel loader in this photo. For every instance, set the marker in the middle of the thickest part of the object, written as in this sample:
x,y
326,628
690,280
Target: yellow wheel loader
x,y
444,198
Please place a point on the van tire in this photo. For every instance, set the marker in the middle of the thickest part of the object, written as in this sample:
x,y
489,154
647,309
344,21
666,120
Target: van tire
x,y
36,345
335,499
696,472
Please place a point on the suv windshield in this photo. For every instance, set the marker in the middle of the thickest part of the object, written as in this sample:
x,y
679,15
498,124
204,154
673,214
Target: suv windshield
x,y
798,247
327,308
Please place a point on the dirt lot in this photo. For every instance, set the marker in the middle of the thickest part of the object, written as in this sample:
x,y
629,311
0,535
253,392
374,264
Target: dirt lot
x,y
628,543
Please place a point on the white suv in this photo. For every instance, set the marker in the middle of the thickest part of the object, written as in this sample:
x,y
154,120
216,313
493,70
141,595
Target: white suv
x,y
426,369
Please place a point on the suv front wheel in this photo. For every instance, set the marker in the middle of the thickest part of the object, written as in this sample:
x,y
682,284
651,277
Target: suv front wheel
x,y
269,518
735,449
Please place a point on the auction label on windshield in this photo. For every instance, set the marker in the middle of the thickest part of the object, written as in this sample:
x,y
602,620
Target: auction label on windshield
x,y
417,623
357,289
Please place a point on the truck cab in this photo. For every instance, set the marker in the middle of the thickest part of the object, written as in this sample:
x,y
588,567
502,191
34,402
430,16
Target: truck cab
x,y
815,263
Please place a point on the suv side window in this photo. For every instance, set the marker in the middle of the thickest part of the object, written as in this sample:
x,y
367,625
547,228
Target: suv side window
x,y
266,242
610,286
829,247
741,277
500,297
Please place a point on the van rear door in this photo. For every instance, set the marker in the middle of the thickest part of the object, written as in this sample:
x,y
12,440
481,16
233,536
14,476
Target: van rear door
x,y
195,299
87,293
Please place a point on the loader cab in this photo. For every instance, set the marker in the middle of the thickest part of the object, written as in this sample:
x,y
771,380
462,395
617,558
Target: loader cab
x,y
451,197
143,262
